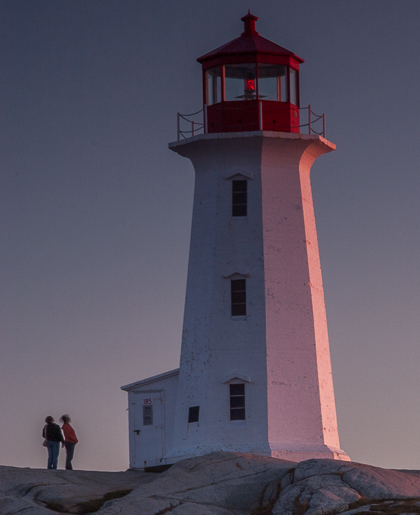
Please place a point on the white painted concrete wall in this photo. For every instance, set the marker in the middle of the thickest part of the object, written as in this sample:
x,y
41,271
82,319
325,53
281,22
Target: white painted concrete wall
x,y
149,444
282,344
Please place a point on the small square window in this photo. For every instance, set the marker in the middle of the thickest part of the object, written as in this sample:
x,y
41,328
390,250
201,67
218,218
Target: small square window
x,y
193,414
148,415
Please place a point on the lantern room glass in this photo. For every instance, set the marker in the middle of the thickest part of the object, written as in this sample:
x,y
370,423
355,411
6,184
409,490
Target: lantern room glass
x,y
272,82
240,82
251,81
214,85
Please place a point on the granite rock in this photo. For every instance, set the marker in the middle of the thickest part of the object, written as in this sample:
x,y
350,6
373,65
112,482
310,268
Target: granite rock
x,y
321,487
34,491
216,484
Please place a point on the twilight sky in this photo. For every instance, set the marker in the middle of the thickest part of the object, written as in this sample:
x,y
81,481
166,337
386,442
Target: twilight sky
x,y
96,211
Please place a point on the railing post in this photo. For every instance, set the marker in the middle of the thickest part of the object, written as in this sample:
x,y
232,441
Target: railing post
x,y
177,125
205,119
193,127
323,126
310,118
261,114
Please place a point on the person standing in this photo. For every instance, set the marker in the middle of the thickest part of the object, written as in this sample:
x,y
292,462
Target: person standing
x,y
70,440
53,436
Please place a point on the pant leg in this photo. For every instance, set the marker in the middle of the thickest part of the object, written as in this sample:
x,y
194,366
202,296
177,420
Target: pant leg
x,y
55,453
69,454
50,446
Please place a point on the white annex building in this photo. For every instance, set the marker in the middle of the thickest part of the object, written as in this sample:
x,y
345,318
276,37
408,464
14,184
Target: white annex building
x,y
255,371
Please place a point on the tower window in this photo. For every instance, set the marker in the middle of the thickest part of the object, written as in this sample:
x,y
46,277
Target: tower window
x,y
148,415
193,414
238,297
237,401
239,198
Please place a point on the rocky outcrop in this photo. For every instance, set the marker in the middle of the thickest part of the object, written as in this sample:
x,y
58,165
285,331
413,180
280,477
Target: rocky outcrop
x,y
216,484
36,492
318,487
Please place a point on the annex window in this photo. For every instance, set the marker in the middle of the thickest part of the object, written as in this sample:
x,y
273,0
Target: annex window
x,y
239,198
148,415
237,401
193,414
238,297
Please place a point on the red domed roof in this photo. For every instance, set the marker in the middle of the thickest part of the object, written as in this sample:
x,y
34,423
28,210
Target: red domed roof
x,y
249,42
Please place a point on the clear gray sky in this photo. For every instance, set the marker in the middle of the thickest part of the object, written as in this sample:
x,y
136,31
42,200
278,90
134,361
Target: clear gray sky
x,y
96,211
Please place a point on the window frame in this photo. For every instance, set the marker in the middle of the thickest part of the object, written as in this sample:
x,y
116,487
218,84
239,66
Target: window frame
x,y
237,402
213,85
237,292
294,87
214,80
193,414
148,419
239,206
281,80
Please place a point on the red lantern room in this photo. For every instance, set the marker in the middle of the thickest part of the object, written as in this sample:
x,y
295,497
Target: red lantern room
x,y
251,84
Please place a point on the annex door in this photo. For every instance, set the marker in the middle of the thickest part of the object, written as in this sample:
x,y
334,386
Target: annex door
x,y
148,429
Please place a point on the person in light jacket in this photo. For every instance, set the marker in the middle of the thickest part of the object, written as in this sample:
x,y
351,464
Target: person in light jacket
x,y
70,440
53,435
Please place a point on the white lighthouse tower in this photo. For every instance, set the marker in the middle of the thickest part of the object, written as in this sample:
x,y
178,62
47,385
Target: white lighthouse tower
x,y
255,372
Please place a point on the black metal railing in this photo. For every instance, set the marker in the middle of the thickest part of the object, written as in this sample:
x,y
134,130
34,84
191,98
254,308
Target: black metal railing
x,y
189,125
193,125
312,121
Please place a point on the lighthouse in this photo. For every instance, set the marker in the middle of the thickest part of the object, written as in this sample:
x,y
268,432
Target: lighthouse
x,y
255,370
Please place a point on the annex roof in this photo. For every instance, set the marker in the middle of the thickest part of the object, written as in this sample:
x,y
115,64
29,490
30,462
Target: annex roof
x,y
150,380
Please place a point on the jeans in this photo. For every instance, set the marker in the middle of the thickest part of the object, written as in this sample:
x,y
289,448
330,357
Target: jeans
x,y
70,453
53,451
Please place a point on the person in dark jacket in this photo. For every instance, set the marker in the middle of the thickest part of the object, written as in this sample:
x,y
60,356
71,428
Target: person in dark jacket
x,y
53,435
